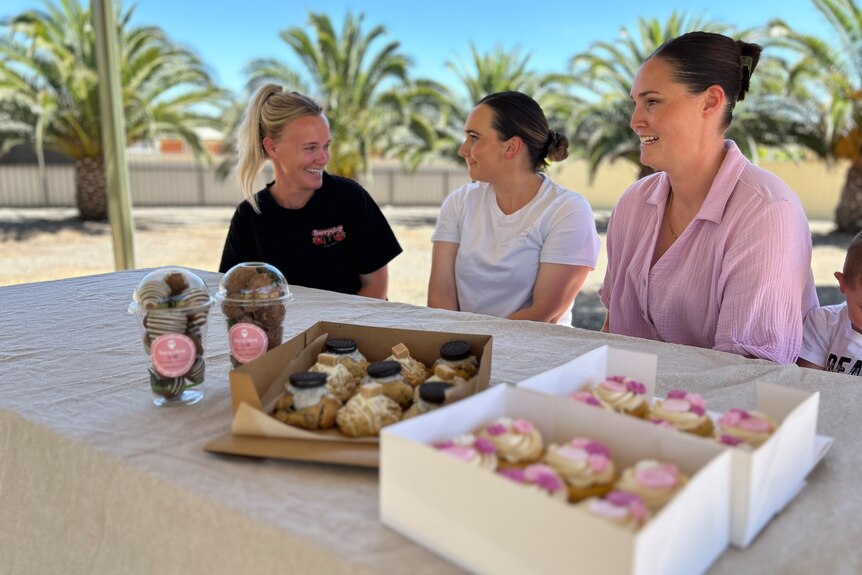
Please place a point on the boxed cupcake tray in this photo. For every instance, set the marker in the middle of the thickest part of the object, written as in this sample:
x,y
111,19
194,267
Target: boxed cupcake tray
x,y
763,480
486,523
255,388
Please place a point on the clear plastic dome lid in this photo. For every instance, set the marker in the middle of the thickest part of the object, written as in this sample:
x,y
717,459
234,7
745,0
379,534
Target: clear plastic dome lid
x,y
256,282
172,287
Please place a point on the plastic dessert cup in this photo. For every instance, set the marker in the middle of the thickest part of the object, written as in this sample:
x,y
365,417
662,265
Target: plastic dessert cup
x,y
172,306
253,298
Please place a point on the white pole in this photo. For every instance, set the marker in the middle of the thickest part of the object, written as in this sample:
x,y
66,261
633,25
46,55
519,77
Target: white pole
x,y
114,134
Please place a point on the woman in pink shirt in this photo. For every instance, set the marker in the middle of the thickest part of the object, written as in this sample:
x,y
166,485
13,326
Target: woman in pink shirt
x,y
710,250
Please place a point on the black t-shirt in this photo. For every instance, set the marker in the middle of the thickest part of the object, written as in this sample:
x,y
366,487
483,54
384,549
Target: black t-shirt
x,y
338,235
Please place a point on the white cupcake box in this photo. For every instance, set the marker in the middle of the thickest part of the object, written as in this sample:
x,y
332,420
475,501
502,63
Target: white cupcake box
x,y
488,524
763,481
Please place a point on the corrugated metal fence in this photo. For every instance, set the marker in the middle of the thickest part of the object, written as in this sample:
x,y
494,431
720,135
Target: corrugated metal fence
x,y
169,184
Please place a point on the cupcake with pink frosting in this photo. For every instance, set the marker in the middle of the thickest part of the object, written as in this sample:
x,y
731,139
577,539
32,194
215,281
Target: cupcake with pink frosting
x,y
655,482
621,507
585,465
471,449
623,395
540,477
663,423
685,411
518,442
732,441
751,427
587,396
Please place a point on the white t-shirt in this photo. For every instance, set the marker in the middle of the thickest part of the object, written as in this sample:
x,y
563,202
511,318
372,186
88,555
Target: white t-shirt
x,y
829,340
498,254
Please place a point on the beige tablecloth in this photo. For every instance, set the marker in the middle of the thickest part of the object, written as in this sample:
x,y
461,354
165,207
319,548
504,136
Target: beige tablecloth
x,y
95,479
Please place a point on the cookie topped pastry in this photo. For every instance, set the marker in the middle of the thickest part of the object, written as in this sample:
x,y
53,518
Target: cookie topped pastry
x,y
307,402
445,374
367,412
456,354
347,353
390,375
429,396
339,380
413,371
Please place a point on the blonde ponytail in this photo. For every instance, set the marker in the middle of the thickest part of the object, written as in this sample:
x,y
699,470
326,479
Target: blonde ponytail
x,y
267,115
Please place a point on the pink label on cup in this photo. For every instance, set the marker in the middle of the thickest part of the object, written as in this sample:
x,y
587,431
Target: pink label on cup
x,y
173,354
247,342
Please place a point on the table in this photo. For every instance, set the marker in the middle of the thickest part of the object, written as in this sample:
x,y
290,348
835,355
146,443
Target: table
x,y
95,479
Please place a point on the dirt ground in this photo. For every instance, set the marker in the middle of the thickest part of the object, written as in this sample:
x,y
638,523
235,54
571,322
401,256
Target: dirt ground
x,y
48,244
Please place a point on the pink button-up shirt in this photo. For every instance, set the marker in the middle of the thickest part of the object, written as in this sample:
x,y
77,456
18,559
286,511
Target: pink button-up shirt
x,y
739,277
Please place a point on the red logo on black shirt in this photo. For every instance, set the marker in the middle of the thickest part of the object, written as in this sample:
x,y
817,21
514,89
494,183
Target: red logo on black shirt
x,y
328,237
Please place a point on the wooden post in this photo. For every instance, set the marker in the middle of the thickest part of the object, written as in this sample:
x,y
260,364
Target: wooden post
x,y
114,134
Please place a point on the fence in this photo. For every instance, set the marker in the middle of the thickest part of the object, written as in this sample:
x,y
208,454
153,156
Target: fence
x,y
184,184
170,184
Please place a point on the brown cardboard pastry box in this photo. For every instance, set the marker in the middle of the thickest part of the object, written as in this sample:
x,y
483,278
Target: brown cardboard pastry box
x,y
256,386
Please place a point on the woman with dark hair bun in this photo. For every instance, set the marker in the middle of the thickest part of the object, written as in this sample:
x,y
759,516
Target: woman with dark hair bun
x,y
513,243
710,251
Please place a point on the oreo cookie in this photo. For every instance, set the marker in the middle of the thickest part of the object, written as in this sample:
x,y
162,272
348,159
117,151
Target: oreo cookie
x,y
340,346
455,350
307,379
434,392
384,368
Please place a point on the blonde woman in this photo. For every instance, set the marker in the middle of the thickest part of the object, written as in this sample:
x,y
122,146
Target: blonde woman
x,y
513,243
319,230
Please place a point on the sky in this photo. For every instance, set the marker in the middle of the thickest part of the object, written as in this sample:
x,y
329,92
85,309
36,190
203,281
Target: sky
x,y
228,34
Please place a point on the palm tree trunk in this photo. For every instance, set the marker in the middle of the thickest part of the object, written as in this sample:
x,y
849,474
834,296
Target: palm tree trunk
x,y
91,189
848,214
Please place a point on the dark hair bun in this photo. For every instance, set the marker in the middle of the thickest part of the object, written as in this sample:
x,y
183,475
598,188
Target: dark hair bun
x,y
558,147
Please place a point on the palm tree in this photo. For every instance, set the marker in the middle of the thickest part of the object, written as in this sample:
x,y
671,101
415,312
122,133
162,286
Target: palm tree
x,y
604,75
495,71
369,99
49,91
830,74
498,71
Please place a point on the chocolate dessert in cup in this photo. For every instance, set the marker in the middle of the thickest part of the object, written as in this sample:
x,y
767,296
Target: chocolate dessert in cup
x,y
172,306
253,298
